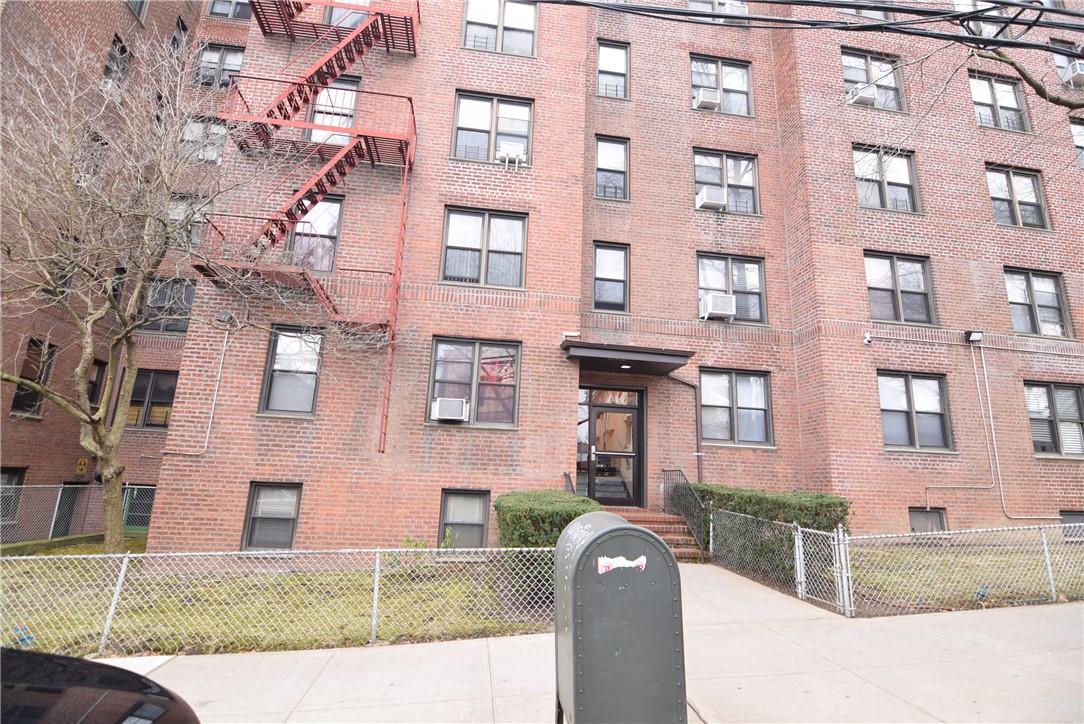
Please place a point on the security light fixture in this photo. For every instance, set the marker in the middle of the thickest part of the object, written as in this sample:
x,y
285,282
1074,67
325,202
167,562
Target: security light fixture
x,y
626,367
972,337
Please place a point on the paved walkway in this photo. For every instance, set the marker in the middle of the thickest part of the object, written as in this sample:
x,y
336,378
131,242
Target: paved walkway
x,y
752,654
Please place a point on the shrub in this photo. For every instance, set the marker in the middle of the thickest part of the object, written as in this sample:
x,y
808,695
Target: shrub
x,y
535,519
809,510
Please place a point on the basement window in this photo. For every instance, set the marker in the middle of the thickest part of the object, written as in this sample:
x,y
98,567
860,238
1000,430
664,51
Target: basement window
x,y
271,521
463,518
926,520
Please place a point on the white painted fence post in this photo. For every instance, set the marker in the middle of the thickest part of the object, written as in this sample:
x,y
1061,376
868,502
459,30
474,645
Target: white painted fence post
x,y
113,604
1049,568
799,563
376,599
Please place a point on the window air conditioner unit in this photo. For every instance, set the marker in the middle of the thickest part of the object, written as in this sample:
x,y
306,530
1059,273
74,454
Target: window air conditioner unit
x,y
716,305
1073,74
863,95
707,98
712,198
734,7
450,409
511,152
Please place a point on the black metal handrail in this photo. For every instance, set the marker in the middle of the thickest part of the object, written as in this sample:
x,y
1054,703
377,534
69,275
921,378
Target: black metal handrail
x,y
680,498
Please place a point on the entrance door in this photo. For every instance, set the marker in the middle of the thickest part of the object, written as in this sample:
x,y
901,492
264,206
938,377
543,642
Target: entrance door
x,y
610,446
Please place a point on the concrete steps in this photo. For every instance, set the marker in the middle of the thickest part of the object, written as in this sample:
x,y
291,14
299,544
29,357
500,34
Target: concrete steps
x,y
671,528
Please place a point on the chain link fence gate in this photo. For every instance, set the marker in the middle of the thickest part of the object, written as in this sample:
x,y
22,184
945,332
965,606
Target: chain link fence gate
x,y
43,512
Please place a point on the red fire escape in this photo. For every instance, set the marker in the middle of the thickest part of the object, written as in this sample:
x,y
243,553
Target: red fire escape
x,y
275,114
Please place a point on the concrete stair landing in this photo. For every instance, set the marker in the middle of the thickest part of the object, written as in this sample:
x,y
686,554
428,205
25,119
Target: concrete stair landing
x,y
671,528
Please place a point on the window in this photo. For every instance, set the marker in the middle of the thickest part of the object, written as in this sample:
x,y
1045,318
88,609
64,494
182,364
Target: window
x,y
11,482
236,9
899,288
139,7
484,371
1017,197
180,37
345,17
203,140
117,65
1061,60
272,516
862,12
334,106
215,64
476,118
885,179
613,70
744,278
168,304
1056,417
611,277
732,7
611,172
1073,520
483,247
982,28
998,102
316,236
871,80
293,367
1077,129
187,219
36,366
734,407
730,79
500,24
1035,303
463,518
913,410
152,399
926,520
735,173
96,383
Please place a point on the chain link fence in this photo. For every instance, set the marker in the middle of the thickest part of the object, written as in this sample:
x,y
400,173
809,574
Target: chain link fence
x,y
223,602
42,512
878,575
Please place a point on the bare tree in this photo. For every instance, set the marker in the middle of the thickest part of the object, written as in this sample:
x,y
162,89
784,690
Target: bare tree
x,y
111,167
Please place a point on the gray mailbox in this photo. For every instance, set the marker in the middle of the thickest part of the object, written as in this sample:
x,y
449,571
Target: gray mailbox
x,y
620,656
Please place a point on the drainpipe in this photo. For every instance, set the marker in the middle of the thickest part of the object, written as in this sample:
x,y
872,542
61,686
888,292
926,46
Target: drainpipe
x,y
699,451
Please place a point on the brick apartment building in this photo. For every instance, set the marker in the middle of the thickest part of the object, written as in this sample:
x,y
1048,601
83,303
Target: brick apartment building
x,y
629,245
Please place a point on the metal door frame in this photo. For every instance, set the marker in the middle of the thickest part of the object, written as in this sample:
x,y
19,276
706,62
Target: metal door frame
x,y
637,499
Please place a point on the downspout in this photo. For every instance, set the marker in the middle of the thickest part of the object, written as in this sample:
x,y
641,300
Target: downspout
x,y
699,450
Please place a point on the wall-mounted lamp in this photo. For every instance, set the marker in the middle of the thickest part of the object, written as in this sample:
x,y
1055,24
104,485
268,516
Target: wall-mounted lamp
x,y
972,337
626,367
570,334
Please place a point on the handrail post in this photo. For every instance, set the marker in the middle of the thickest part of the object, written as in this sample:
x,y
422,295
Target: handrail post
x,y
711,529
376,598
113,604
1049,568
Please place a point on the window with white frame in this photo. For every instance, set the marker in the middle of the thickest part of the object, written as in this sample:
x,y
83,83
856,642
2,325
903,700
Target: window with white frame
x,y
1056,415
334,106
613,69
505,26
203,140
998,102
236,9
315,238
611,172
1017,197
484,247
742,277
734,173
729,81
734,407
463,518
483,374
913,410
293,371
492,129
885,179
217,64
871,80
272,516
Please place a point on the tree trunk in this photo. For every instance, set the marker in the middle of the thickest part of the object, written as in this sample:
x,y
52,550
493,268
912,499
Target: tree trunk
x,y
112,507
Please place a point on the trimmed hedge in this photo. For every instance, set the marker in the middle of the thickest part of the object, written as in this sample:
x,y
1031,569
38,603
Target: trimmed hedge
x,y
809,510
535,519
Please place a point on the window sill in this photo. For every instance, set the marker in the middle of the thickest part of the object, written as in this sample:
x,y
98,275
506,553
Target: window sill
x,y
1006,130
232,20
737,214
141,428
36,417
921,451
1059,456
509,166
613,98
902,112
737,445
532,56
471,426
1050,337
1021,227
891,211
469,285
300,416
625,200
616,312
734,323
160,333
724,113
897,323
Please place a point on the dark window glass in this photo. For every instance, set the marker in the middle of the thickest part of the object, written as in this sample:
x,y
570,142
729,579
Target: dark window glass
x,y
316,237
463,517
913,410
898,288
998,102
885,179
237,9
117,65
11,482
482,247
741,277
730,80
926,520
483,374
872,81
734,407
152,399
1056,415
169,302
217,64
272,515
1016,196
36,366
735,174
293,367
96,382
611,174
1035,303
611,277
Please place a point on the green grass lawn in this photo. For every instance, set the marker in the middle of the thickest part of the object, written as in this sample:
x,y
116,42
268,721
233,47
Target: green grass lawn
x,y
131,545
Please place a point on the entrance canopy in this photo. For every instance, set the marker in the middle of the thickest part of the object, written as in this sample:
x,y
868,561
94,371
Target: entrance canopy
x,y
600,357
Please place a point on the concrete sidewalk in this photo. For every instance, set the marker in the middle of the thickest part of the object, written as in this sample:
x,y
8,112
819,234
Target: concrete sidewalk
x,y
752,654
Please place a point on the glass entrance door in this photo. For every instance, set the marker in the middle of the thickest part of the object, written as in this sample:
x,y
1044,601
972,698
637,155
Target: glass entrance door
x,y
609,446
